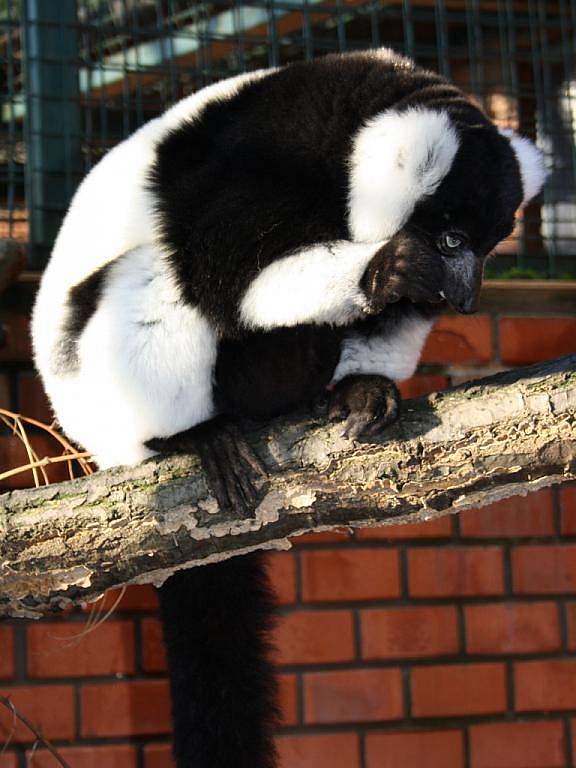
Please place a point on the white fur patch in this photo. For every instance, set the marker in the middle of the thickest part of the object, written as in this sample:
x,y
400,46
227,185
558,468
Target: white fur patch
x,y
112,211
319,284
146,362
531,162
187,109
385,54
395,355
146,358
397,159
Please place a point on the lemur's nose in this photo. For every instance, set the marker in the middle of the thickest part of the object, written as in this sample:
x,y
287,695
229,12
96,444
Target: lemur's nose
x,y
462,280
468,306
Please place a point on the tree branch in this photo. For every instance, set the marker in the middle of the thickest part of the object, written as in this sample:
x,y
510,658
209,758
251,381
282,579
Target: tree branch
x,y
510,434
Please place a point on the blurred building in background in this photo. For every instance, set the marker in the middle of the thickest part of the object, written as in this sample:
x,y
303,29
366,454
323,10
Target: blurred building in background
x,y
79,75
450,644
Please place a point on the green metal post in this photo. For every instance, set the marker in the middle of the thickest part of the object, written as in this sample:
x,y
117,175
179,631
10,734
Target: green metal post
x,y
52,132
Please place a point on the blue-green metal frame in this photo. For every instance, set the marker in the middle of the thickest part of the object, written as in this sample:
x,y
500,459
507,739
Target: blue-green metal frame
x,y
53,124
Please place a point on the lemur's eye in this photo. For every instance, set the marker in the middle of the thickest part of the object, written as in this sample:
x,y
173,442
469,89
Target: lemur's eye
x,y
451,241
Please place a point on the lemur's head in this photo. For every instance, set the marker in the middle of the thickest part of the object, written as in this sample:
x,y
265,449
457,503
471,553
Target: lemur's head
x,y
451,193
473,208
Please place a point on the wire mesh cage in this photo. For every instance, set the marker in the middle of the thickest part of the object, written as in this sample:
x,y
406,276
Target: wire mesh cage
x,y
80,75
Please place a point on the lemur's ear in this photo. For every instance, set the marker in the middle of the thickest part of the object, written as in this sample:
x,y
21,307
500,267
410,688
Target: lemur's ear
x,y
397,158
531,162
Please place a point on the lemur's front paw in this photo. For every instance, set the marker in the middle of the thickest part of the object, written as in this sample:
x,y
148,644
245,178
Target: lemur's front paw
x,y
233,469
403,269
368,403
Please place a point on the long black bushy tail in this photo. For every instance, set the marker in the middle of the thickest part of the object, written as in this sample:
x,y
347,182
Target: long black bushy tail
x,y
216,622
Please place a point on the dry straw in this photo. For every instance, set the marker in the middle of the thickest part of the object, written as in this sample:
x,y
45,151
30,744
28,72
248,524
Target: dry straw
x,y
21,427
64,451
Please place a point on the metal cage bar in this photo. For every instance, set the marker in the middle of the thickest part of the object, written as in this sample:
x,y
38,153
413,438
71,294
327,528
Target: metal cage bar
x,y
53,138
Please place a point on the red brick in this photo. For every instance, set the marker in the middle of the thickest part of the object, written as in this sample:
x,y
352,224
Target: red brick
x,y
6,651
306,637
13,455
158,756
153,653
411,632
571,622
545,685
282,573
415,749
518,745
119,756
544,569
568,509
531,339
512,628
136,598
125,709
458,339
328,750
422,384
288,696
440,528
531,515
452,572
32,400
322,537
349,696
49,707
573,737
17,346
8,760
462,689
5,397
350,574
59,649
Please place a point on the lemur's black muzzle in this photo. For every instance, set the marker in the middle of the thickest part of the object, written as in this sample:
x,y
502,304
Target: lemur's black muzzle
x,y
463,279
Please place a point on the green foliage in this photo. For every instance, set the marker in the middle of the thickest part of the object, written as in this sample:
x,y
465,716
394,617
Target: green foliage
x,y
9,10
515,273
524,273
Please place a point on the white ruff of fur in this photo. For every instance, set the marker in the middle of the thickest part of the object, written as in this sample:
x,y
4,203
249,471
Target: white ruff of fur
x,y
397,159
319,284
531,161
113,214
395,356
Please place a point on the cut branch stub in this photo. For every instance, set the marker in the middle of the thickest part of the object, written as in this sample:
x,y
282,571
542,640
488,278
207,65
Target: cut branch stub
x,y
507,435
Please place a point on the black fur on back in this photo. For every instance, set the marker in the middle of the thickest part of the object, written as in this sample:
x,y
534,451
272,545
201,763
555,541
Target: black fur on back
x,y
83,301
265,173
216,623
266,374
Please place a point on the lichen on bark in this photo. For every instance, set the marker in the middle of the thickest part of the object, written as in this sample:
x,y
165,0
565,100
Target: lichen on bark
x,y
510,434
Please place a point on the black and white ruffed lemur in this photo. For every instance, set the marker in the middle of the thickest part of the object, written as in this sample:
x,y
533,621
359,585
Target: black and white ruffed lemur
x,y
274,236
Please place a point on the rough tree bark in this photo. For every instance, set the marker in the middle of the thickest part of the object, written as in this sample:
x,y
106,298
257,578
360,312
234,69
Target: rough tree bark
x,y
510,434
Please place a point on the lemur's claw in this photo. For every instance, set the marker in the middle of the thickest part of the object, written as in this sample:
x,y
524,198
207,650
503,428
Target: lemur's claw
x,y
233,469
368,403
337,410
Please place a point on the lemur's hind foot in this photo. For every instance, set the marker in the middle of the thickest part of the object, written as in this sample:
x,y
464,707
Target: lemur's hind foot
x,y
235,473
368,403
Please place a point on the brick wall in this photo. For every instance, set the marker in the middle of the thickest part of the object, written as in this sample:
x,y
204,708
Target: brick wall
x,y
438,645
